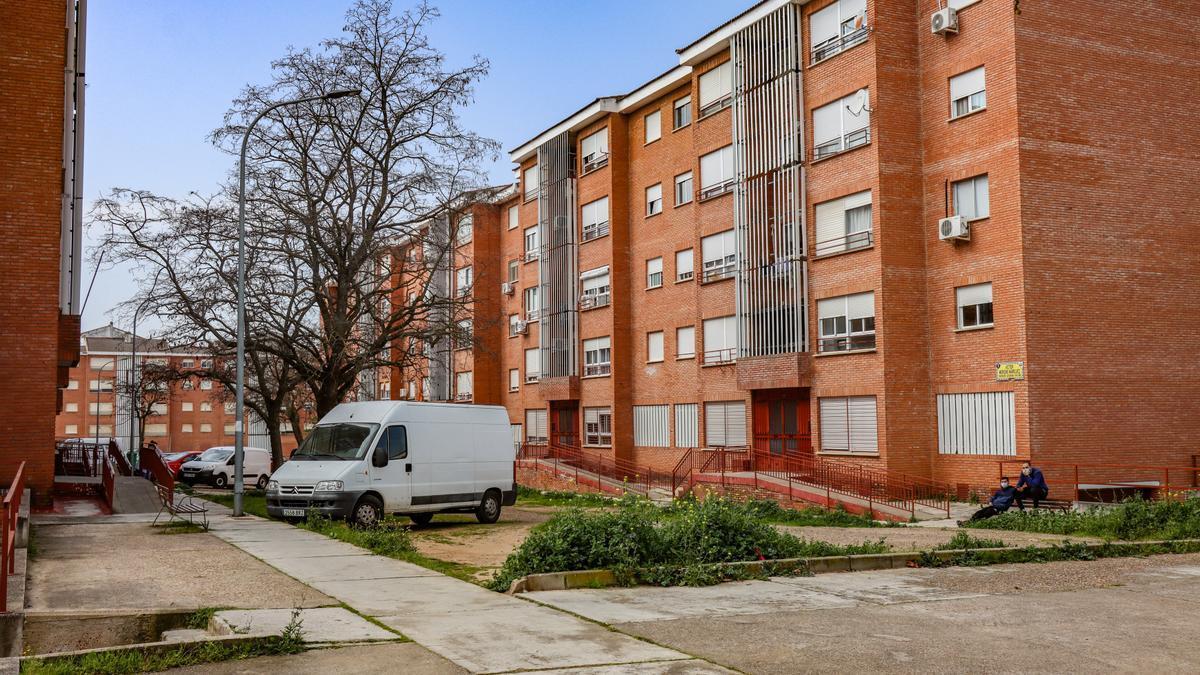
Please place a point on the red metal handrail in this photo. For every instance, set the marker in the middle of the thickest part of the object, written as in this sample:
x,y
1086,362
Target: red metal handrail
x,y
8,533
621,475
151,459
120,461
1151,481
109,482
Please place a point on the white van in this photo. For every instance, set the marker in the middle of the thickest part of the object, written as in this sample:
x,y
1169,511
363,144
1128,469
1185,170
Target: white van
x,y
214,467
365,460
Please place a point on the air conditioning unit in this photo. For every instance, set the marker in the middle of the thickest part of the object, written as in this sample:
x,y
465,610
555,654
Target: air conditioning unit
x,y
944,21
954,227
520,327
507,288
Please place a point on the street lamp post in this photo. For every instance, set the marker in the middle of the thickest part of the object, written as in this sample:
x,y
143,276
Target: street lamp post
x,y
239,410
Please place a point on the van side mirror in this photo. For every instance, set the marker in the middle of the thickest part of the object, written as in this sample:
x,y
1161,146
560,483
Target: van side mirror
x,y
379,458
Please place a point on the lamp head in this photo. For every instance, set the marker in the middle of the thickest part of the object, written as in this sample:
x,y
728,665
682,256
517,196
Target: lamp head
x,y
341,93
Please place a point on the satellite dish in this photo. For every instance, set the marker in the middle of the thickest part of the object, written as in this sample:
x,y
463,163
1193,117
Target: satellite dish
x,y
862,103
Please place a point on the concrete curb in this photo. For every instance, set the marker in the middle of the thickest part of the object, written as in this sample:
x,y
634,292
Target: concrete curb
x,y
150,647
561,581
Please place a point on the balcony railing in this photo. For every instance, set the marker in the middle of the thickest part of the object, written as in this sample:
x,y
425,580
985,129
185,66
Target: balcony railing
x,y
531,255
462,396
717,270
532,378
716,190
842,144
714,357
846,343
595,369
532,315
716,106
595,230
838,44
594,301
594,161
849,242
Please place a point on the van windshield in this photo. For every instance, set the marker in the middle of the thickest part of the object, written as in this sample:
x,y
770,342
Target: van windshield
x,y
216,455
342,441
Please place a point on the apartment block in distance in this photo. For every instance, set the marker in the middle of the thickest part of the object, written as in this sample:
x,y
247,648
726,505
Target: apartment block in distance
x,y
41,199
916,235
190,414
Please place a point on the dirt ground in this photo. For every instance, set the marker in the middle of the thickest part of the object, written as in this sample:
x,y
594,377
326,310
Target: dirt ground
x,y
91,567
462,539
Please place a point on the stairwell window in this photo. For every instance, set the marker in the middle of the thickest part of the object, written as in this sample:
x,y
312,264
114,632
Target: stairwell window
x,y
462,281
684,265
847,322
594,218
716,173
597,357
532,179
653,124
720,340
531,243
844,224
593,150
719,255
974,305
849,424
533,365
654,277
597,289
597,427
654,199
716,90
463,385
682,113
466,229
968,93
841,125
837,28
531,306
514,379
683,188
513,217
971,198
685,342
654,347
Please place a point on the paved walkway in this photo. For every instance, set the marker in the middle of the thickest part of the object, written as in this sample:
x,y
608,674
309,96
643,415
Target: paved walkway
x,y
479,630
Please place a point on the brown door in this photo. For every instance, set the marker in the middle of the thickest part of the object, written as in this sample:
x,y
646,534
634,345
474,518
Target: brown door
x,y
782,422
564,423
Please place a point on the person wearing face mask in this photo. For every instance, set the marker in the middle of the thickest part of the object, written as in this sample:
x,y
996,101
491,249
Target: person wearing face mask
x,y
1031,485
1000,502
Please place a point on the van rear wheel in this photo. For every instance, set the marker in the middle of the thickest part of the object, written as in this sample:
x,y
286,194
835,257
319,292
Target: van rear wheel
x,y
420,519
488,510
367,512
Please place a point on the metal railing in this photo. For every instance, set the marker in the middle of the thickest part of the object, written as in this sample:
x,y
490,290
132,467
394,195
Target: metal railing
x,y
595,300
8,532
152,460
1104,482
593,161
714,357
595,230
654,280
718,272
592,369
715,107
843,143
108,482
716,190
849,242
846,343
837,44
592,468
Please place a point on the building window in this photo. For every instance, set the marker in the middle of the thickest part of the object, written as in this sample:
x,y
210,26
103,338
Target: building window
x,y
531,243
535,426
725,423
466,229
684,266
103,363
847,322
844,224
70,407
533,364
716,89
187,385
514,379
186,406
849,425
682,113
462,281
229,429
720,340
100,408
514,267
837,27
156,430
597,426
654,273
514,325
158,409
719,255
683,188
654,347
206,385
974,305
594,150
652,426
186,428
968,93
597,291
72,429
981,423
206,428
841,125
100,430
513,217
187,363
531,182
716,173
971,198
532,308
653,124
463,383
654,199
73,385
205,406
100,385
685,342
595,219
597,357
687,425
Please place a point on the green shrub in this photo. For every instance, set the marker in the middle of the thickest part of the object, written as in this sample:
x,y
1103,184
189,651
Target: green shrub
x,y
389,538
1131,520
963,540
811,516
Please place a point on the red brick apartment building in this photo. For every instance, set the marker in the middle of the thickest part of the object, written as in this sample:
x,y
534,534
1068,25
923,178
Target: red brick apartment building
x,y
916,237
41,199
189,415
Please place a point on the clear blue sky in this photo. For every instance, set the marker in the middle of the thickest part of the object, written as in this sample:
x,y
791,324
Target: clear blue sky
x,y
161,74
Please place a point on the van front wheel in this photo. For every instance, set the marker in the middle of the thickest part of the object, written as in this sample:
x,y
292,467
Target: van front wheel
x,y
367,512
220,481
488,510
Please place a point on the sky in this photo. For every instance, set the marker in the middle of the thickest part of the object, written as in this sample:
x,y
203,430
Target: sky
x,y
161,74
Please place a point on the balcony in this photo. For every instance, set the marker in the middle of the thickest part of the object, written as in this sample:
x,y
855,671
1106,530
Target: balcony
x,y
717,357
838,145
850,36
596,300
595,231
849,242
717,190
846,343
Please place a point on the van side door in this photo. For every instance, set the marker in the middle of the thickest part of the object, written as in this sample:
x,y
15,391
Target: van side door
x,y
393,481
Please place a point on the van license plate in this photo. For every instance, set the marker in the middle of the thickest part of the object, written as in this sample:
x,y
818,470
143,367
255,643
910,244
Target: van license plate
x,y
293,513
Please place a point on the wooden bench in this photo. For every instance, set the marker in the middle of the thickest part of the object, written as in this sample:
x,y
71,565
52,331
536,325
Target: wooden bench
x,y
1060,505
179,506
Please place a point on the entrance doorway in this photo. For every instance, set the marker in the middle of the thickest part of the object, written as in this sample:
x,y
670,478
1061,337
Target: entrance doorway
x,y
782,422
564,423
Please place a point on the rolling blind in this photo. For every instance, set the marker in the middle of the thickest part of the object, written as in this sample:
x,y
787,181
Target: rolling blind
x,y
967,83
823,25
535,424
849,425
981,423
827,123
651,426
725,423
831,221
687,425
716,84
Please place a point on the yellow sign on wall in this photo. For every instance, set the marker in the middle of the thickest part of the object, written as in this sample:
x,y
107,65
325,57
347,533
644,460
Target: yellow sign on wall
x,y
1008,371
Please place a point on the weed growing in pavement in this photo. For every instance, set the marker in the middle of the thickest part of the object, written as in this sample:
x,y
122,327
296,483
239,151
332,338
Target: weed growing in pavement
x,y
1131,520
966,540
389,538
530,497
200,618
771,512
122,661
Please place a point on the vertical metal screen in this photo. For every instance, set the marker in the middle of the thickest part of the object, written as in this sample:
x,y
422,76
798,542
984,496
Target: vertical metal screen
x,y
557,263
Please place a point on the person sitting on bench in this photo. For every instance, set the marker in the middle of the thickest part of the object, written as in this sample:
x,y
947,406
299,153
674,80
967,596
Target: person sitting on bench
x,y
1001,501
1031,485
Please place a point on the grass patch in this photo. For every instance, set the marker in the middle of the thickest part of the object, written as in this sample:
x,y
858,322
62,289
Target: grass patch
x,y
138,661
200,618
389,538
1130,521
531,497
814,516
965,540
254,502
684,544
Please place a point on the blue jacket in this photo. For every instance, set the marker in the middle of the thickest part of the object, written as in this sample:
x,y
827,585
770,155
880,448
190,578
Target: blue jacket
x,y
1003,498
1035,479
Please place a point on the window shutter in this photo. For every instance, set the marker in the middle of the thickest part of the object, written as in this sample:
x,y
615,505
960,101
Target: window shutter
x,y
823,25
974,295
651,426
852,8
710,169
686,425
684,263
653,126
654,346
856,200
735,423
967,83
827,123
982,423
685,341
596,144
860,305
714,424
831,224
715,84
863,426
654,266
835,428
